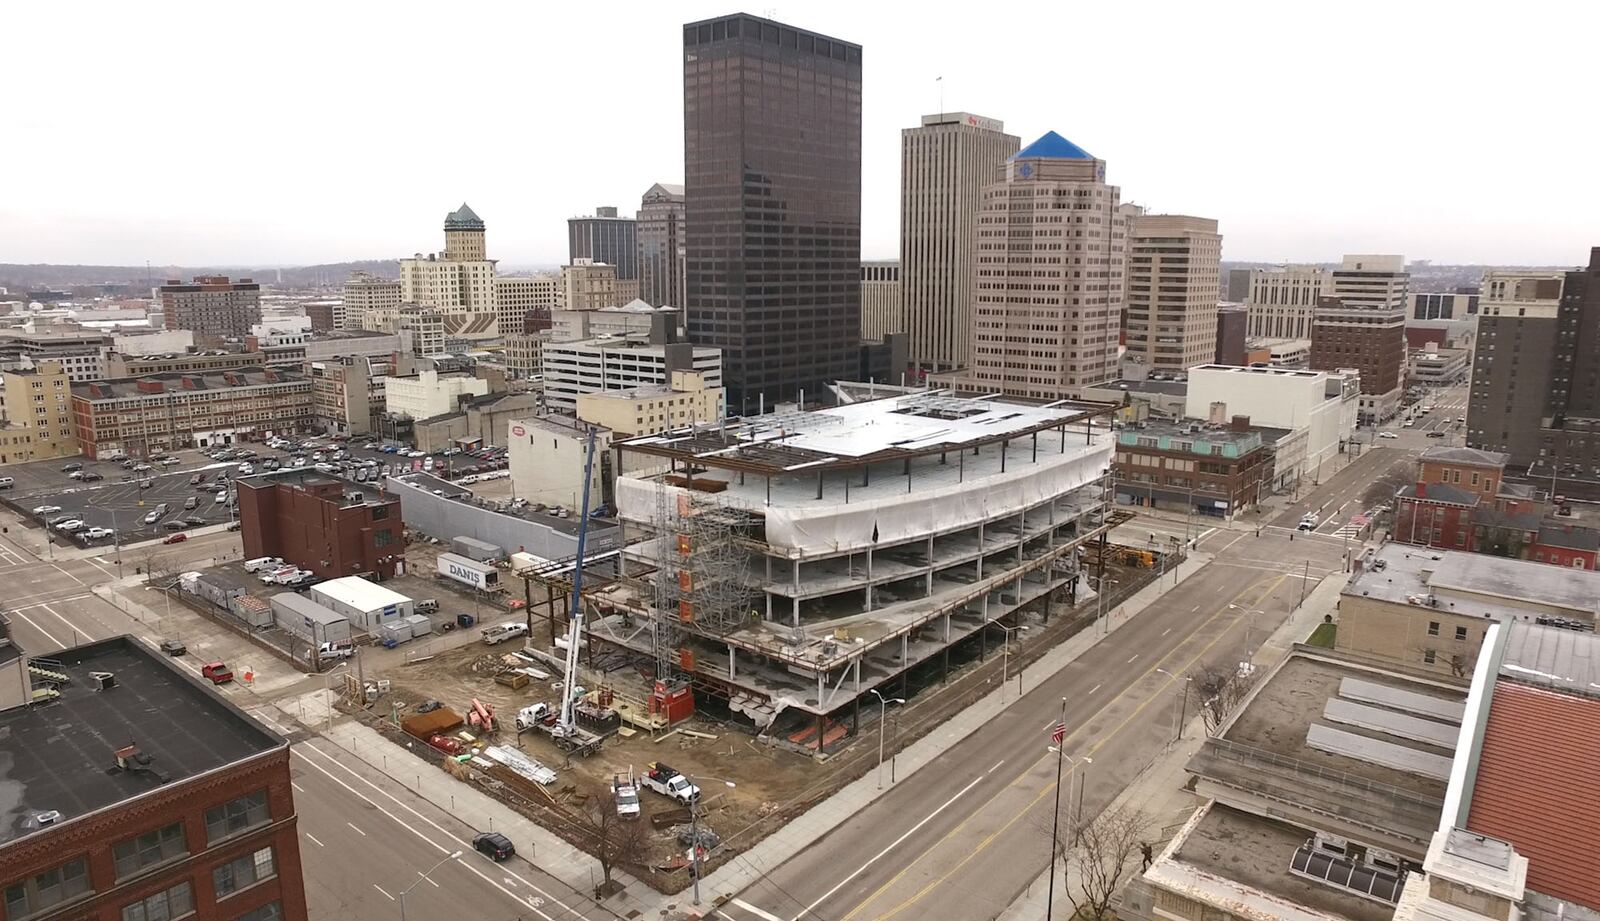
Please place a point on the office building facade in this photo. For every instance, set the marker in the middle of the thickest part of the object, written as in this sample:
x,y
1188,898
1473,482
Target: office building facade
x,y
1283,300
458,281
606,237
1174,263
881,291
523,303
367,295
169,412
661,241
1048,297
212,305
772,198
944,165
1362,326
589,285
36,409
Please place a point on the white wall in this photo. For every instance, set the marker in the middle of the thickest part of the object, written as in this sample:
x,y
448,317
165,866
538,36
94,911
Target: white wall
x,y
1280,399
546,463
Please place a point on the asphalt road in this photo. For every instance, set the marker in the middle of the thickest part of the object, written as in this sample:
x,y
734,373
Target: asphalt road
x,y
963,836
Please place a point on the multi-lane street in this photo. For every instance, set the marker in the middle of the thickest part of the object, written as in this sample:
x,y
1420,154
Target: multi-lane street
x,y
964,835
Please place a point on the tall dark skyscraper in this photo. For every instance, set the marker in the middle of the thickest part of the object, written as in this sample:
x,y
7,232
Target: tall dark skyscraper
x,y
606,237
772,159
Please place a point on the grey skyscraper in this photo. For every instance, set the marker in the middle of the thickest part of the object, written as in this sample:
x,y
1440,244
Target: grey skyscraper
x,y
661,246
772,194
604,238
944,165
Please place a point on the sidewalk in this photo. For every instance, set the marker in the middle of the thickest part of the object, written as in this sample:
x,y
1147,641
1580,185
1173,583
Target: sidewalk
x,y
1158,788
574,868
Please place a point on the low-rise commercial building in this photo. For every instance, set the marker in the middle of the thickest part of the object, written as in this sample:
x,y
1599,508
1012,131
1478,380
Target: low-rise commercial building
x,y
430,393
644,410
1430,609
81,353
423,327
480,421
348,394
1323,405
161,800
322,524
634,318
546,460
366,604
166,412
1211,470
36,408
589,285
1278,353
1438,367
524,355
120,365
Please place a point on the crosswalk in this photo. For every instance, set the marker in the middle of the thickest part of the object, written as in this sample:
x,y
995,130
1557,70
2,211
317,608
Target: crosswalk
x,y
1352,529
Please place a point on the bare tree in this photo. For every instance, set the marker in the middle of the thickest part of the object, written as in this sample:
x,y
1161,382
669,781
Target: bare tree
x,y
1221,689
158,567
614,841
1099,857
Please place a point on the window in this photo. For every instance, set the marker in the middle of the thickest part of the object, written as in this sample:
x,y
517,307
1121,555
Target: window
x,y
230,819
52,887
1461,633
1427,656
271,911
1433,628
148,849
380,512
171,903
243,871
382,538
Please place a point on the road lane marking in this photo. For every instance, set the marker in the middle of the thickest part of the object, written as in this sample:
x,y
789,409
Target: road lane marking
x,y
385,894
996,766
1192,610
809,909
18,612
759,913
1132,658
1169,629
358,831
69,575
72,626
984,844
297,787
314,839
303,748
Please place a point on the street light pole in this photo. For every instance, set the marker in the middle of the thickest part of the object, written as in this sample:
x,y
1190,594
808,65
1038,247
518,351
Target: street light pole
x,y
1055,819
442,862
694,831
883,720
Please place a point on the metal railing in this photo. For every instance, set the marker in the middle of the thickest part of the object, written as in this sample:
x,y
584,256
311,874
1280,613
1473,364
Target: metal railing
x,y
1344,782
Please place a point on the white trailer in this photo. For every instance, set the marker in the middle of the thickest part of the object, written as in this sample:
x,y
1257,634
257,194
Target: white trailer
x,y
468,571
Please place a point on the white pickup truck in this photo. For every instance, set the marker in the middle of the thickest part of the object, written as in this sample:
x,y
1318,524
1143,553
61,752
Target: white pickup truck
x,y
669,783
499,633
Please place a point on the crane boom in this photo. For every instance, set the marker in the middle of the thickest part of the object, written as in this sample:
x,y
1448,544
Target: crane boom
x,y
564,725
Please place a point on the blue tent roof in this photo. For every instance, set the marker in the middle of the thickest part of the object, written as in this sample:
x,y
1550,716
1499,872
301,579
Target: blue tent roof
x,y
1053,146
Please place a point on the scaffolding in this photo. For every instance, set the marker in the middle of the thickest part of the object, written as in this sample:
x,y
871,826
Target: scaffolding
x,y
702,572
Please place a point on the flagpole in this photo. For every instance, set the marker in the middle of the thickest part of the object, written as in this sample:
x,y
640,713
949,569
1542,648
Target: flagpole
x,y
1055,820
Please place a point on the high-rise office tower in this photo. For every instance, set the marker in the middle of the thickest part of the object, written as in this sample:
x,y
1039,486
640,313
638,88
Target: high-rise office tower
x,y
881,294
1047,297
1174,267
1283,300
606,237
459,282
772,196
944,165
1536,375
660,242
1363,326
212,305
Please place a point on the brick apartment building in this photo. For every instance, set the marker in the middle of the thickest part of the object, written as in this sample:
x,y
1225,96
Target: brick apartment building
x,y
330,526
166,412
1211,470
129,815
1460,501
212,305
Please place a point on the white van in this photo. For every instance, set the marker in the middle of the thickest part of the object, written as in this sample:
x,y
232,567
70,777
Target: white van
x,y
262,562
7,482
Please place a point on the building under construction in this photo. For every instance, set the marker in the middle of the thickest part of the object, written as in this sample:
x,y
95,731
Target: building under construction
x,y
790,563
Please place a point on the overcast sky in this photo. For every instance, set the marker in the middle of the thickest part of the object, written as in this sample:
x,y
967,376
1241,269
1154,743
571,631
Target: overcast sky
x,y
291,133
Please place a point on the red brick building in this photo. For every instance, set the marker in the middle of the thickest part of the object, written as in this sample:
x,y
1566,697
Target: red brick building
x,y
167,827
330,526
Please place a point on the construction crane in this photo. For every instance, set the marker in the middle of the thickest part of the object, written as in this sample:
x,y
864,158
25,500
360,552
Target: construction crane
x,y
566,733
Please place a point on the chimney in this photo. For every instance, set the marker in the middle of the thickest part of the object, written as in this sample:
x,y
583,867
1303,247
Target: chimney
x,y
1240,424
1422,489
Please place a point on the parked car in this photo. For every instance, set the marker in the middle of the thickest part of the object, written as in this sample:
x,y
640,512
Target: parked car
x,y
90,478
1435,434
234,525
197,479
335,651
194,521
1387,435
70,525
173,648
499,633
119,456
141,468
47,509
176,539
98,534
7,482
261,563
71,467
221,497
495,846
170,461
271,575
216,673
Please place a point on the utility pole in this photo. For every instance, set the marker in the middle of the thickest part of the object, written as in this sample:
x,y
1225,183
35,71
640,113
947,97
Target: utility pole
x,y
1304,577
1055,819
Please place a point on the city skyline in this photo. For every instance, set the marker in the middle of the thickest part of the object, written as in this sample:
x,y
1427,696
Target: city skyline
x,y
118,169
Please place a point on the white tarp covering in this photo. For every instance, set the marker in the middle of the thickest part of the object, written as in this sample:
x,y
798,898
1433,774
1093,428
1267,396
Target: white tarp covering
x,y
817,527
521,764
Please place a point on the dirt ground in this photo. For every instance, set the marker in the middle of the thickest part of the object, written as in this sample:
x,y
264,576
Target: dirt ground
x,y
771,784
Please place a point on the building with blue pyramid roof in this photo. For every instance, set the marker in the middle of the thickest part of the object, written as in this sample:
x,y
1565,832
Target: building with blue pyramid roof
x,y
1051,146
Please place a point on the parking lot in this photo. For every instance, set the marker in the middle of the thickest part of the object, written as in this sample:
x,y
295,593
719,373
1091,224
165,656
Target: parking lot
x,y
123,499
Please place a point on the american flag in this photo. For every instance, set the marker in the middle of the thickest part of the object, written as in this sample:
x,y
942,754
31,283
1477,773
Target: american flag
x,y
1058,733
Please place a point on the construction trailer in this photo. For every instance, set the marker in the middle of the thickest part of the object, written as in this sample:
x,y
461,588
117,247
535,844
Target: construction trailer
x,y
794,562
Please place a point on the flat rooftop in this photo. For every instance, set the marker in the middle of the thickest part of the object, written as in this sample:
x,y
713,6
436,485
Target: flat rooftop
x,y
1368,745
1553,657
1244,863
874,431
1171,388
61,755
1474,584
